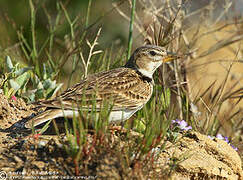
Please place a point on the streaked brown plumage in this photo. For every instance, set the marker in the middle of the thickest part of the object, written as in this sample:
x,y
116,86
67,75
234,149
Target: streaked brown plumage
x,y
127,88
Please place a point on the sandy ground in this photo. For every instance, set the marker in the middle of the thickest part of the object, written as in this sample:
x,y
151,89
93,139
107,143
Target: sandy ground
x,y
26,155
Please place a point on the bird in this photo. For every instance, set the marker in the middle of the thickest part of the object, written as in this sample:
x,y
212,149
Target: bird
x,y
128,88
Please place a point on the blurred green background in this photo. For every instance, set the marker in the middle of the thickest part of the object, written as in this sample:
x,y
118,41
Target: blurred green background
x,y
15,15
53,19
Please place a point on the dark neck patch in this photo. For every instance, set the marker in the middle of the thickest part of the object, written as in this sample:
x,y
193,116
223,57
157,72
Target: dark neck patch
x,y
144,78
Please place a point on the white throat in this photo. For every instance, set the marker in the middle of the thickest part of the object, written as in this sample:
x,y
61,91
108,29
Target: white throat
x,y
146,73
150,69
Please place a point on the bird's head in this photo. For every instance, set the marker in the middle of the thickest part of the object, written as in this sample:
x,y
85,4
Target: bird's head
x,y
147,59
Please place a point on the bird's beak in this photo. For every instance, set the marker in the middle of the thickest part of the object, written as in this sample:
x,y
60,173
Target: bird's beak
x,y
170,56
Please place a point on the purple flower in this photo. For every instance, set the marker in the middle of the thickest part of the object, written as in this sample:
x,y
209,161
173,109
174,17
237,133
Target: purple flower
x,y
210,137
235,148
175,121
182,124
219,136
226,139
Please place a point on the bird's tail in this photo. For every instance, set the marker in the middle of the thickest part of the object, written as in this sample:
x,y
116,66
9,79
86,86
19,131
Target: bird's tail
x,y
49,115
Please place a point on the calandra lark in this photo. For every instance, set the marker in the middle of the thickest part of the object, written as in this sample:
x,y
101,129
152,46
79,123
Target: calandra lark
x,y
129,88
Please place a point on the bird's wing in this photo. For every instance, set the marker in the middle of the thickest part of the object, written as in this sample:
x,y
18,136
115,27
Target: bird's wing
x,y
122,86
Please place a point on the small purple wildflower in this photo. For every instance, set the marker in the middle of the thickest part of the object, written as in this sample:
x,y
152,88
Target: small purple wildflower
x,y
175,121
219,136
226,139
182,124
235,148
210,137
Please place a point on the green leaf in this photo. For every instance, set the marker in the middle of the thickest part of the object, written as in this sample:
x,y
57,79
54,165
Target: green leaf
x,y
9,64
23,70
20,81
53,91
40,86
49,84
30,95
38,83
14,84
23,79
40,94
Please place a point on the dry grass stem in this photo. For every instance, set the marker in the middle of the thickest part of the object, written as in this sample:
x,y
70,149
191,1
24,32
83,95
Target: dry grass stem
x,y
91,53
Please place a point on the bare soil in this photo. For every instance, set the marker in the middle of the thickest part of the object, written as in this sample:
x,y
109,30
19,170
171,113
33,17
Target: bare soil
x,y
26,155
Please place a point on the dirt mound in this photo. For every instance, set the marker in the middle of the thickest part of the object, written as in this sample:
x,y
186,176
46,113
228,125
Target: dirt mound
x,y
193,156
12,110
203,158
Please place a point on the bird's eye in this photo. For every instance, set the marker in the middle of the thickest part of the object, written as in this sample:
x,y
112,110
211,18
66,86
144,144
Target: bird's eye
x,y
153,53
